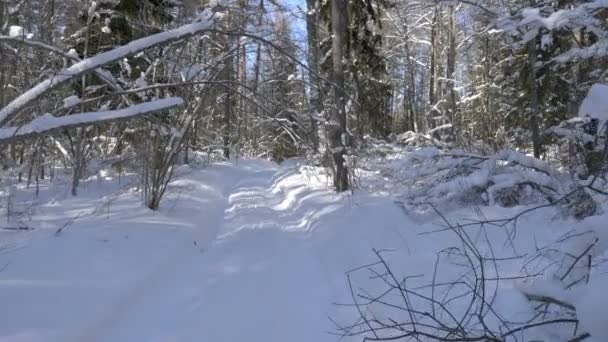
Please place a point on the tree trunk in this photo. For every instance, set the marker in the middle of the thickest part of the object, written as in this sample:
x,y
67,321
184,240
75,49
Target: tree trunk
x,y
228,103
2,67
534,125
256,75
337,122
433,63
316,101
409,80
451,66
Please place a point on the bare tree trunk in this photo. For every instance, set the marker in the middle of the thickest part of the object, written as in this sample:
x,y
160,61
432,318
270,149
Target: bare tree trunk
x,y
316,101
79,161
337,122
433,60
256,83
406,101
487,104
256,74
451,66
21,156
1,16
241,76
227,102
409,84
2,67
242,104
534,125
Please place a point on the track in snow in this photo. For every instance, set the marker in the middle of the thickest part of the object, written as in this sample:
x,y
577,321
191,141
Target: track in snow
x,y
249,251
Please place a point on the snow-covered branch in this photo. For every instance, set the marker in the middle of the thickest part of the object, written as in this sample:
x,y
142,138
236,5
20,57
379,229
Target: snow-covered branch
x,y
104,75
48,124
474,3
102,59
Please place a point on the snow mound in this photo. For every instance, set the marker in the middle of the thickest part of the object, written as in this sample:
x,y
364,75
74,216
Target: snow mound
x,y
15,31
595,105
591,309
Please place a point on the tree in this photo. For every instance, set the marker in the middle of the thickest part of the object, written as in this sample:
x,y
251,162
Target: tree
x,y
283,88
313,59
336,126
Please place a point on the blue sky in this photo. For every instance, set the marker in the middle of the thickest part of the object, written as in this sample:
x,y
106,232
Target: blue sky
x,y
298,23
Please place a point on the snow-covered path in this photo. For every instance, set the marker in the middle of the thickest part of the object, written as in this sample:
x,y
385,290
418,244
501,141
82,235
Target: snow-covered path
x,y
249,251
244,251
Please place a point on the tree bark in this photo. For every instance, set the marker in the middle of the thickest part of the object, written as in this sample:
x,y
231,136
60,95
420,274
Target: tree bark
x,y
316,100
451,66
227,119
337,123
433,61
409,79
534,125
256,75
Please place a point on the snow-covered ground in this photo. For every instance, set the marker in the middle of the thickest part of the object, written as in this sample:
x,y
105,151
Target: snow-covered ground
x,y
240,251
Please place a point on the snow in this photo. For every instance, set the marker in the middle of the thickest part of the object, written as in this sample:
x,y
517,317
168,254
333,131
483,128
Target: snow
x,y
595,104
19,32
101,59
560,18
261,252
73,53
47,122
591,308
582,15
71,101
140,82
16,31
248,250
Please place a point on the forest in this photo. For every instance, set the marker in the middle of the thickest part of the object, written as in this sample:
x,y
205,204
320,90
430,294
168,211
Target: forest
x,y
377,170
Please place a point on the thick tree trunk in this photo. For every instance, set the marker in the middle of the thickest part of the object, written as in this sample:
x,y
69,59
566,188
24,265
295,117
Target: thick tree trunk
x,y
409,88
316,100
534,124
433,62
451,66
2,67
1,16
256,74
337,122
227,119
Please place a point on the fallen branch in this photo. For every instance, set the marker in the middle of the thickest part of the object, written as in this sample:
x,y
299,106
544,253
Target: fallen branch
x,y
549,300
19,228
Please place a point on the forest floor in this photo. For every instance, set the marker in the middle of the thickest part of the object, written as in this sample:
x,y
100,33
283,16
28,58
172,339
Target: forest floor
x,y
240,251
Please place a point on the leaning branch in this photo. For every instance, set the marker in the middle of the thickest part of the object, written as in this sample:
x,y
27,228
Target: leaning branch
x,y
100,60
46,125
104,75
